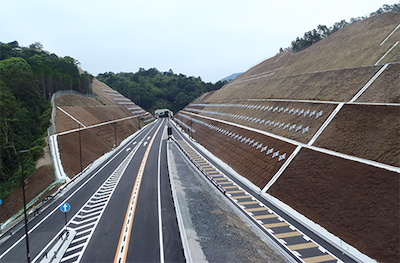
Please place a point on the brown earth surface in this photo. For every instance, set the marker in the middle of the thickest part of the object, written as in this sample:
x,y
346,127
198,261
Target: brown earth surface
x,y
324,71
87,116
326,86
303,119
34,185
367,131
245,159
386,88
76,100
355,46
100,89
357,202
94,143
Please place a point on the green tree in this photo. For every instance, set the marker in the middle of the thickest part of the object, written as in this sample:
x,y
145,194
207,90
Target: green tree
x,y
152,89
28,78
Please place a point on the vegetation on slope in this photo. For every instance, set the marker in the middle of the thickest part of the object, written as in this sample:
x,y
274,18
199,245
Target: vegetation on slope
x,y
322,31
28,78
152,89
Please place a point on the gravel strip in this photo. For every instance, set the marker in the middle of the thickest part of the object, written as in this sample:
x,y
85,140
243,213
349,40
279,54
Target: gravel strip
x,y
216,231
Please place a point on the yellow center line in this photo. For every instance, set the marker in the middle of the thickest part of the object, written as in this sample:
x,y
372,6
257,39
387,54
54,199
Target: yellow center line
x,y
124,239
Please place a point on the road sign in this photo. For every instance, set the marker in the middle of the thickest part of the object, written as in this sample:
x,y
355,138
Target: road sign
x,y
65,207
1,201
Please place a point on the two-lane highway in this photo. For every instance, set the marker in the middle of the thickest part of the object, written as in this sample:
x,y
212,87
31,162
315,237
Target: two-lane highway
x,y
117,211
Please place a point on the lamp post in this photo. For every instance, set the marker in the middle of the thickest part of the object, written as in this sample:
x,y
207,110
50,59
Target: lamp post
x,y
28,256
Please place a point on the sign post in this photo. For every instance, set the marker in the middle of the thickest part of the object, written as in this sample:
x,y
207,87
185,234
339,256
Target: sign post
x,y
65,207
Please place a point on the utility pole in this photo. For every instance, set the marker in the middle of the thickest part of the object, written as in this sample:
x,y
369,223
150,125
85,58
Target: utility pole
x,y
191,129
28,256
80,147
115,134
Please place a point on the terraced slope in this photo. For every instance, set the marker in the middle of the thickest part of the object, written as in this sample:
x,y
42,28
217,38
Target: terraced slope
x,y
92,126
319,130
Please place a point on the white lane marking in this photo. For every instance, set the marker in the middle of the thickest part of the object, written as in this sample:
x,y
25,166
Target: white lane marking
x,y
159,204
124,239
117,174
182,230
125,161
66,199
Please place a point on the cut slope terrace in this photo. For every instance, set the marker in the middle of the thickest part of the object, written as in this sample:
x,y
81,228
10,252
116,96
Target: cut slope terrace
x,y
84,129
317,131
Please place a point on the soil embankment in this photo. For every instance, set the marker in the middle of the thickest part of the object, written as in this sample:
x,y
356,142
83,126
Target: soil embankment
x,y
345,176
90,126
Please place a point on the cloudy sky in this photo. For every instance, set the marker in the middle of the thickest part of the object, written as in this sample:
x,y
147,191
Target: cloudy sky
x,y
207,38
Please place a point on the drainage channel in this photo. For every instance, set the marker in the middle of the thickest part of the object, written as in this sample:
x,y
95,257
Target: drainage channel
x,y
302,247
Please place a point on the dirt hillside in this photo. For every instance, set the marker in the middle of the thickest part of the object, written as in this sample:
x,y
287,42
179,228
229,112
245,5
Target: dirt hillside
x,y
101,121
339,102
94,125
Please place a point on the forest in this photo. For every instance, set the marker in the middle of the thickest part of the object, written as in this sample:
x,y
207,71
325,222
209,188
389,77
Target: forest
x,y
152,89
28,78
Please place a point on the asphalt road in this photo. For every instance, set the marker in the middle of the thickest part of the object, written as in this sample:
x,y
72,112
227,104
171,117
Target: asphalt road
x,y
101,205
121,211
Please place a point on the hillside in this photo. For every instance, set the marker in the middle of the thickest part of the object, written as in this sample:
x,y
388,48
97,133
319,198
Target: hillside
x,y
152,89
318,130
91,125
104,121
231,77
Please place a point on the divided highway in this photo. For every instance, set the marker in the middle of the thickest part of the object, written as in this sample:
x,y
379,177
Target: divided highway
x,y
121,211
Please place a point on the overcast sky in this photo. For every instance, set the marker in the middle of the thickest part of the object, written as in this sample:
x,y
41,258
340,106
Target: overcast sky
x,y
207,38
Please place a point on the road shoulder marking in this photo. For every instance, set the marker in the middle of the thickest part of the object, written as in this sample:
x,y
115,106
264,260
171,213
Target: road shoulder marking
x,y
123,244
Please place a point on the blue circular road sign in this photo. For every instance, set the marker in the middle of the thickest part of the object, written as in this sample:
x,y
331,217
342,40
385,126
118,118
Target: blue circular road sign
x,y
65,207
1,201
